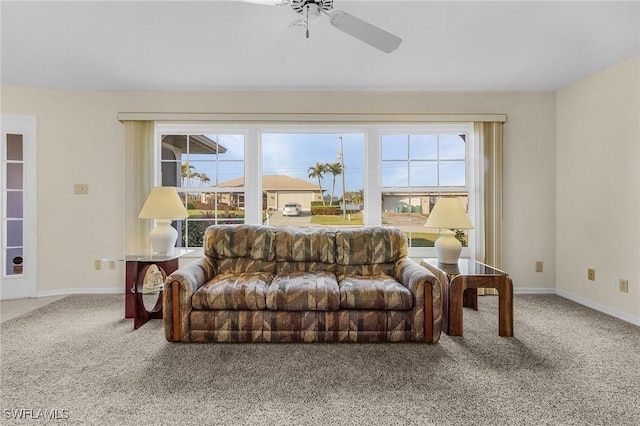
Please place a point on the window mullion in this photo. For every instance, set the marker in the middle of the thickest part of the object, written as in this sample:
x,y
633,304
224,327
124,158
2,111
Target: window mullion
x,y
253,174
372,177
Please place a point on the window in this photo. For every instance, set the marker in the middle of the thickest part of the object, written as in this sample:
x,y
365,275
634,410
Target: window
x,y
339,175
321,172
417,168
208,172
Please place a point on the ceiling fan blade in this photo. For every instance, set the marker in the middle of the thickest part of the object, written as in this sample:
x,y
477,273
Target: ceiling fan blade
x,y
364,31
287,42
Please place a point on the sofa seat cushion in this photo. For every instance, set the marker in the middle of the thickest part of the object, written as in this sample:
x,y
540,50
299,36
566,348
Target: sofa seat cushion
x,y
374,292
304,291
245,291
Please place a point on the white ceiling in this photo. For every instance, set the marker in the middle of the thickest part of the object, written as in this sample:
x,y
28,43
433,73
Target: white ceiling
x,y
225,45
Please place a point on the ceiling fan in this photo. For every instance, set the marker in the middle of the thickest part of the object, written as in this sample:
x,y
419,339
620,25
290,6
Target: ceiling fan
x,y
312,10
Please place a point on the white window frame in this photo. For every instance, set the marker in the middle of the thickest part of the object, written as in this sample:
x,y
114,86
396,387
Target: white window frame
x,y
470,181
372,161
162,129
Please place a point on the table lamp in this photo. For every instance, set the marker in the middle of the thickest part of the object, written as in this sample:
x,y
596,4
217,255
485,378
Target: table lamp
x,y
163,204
448,215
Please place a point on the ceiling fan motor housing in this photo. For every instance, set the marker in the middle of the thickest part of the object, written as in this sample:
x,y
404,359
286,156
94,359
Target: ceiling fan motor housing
x,y
298,6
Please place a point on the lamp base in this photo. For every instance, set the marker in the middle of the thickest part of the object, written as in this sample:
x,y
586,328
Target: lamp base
x,y
448,247
163,237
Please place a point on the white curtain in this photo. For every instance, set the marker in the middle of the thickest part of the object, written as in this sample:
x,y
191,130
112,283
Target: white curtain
x,y
139,179
489,244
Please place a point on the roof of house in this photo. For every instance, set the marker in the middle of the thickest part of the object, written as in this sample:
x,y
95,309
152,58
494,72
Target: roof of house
x,y
276,183
198,144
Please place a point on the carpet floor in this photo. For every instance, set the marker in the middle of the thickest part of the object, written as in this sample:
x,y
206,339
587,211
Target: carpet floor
x,y
77,359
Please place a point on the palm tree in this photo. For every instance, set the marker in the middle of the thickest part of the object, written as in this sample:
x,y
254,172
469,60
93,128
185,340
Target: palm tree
x,y
189,174
317,172
356,197
187,170
204,179
335,169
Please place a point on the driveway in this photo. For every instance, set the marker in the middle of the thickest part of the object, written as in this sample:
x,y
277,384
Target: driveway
x,y
407,222
277,219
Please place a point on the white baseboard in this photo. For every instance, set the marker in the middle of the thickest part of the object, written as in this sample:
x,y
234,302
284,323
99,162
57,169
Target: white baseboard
x,y
67,291
533,290
598,307
582,301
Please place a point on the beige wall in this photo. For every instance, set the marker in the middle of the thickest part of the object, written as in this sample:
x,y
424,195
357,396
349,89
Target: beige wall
x,y
81,141
598,188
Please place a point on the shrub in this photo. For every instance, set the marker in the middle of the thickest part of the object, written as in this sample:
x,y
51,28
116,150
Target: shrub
x,y
333,210
325,210
196,231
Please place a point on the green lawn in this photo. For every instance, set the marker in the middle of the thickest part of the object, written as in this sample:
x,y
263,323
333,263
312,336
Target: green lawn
x,y
332,220
418,239
423,239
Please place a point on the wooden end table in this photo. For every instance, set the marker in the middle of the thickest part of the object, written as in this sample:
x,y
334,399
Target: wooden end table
x,y
141,302
460,284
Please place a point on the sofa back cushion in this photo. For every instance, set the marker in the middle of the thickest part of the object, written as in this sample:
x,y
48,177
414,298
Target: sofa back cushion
x,y
370,250
241,248
305,249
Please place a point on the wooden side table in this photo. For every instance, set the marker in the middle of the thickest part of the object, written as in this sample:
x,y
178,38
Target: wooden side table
x,y
136,296
461,282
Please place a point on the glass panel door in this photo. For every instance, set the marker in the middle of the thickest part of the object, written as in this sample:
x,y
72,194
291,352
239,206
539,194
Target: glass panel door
x,y
14,199
18,269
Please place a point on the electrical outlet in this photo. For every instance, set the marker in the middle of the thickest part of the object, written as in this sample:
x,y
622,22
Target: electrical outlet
x,y
624,285
97,264
112,264
591,274
539,266
81,189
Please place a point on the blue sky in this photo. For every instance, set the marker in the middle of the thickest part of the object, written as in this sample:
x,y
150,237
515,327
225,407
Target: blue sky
x,y
292,154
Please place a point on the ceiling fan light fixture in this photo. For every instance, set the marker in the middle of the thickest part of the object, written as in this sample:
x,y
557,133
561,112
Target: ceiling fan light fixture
x,y
312,12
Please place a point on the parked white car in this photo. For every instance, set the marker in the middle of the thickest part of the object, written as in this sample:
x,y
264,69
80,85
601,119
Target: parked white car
x,y
291,209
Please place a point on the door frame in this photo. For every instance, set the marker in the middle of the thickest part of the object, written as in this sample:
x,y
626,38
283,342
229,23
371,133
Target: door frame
x,y
25,285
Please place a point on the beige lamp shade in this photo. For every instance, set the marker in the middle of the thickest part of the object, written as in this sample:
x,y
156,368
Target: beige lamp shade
x,y
448,213
163,202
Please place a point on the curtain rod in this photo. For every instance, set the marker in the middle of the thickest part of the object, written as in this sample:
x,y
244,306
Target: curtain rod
x,y
310,117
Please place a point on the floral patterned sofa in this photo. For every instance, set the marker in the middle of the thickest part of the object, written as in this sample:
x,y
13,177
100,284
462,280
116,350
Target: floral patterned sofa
x,y
264,284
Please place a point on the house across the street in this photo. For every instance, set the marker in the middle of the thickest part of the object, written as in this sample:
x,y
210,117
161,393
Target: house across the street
x,y
277,190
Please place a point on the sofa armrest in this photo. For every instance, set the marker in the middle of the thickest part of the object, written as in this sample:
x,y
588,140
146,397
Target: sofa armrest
x,y
427,292
178,289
